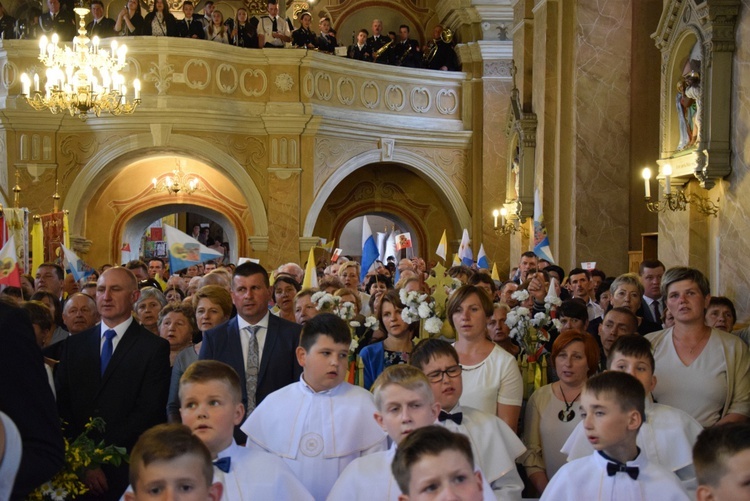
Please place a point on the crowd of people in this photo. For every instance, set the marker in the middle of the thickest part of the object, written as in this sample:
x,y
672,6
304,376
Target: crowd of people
x,y
254,32
252,366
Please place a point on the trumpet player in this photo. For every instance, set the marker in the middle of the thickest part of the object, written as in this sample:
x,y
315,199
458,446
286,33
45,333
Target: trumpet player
x,y
407,52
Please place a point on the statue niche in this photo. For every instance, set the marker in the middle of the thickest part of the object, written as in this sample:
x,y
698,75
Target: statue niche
x,y
689,100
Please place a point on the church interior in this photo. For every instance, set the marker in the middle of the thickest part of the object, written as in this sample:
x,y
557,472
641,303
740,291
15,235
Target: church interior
x,y
557,109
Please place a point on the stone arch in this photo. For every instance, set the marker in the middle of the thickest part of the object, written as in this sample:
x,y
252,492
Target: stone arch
x,y
132,225
126,151
431,173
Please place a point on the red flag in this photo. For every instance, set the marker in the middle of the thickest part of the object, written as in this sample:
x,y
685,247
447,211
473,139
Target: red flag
x,y
9,272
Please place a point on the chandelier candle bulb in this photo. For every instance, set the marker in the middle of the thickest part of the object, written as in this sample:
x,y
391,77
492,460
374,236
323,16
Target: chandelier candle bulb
x,y
137,88
647,181
503,213
42,46
495,213
667,171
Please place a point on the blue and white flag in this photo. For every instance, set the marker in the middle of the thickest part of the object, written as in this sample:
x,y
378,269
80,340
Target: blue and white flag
x,y
369,249
464,250
381,243
482,259
75,264
185,251
390,247
541,242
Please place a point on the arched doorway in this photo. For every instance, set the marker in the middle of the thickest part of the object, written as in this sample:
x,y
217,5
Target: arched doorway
x,y
392,191
115,186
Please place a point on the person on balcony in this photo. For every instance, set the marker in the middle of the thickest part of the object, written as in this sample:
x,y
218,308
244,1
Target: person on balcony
x,y
160,22
304,36
406,51
191,26
129,20
274,28
217,32
377,41
360,50
100,26
326,40
58,21
243,32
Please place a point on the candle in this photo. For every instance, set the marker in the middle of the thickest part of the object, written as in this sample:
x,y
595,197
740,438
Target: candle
x,y
503,213
495,213
154,181
667,171
25,84
36,82
42,45
137,87
647,181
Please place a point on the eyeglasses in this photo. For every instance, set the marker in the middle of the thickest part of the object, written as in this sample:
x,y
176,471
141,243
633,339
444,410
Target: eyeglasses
x,y
453,372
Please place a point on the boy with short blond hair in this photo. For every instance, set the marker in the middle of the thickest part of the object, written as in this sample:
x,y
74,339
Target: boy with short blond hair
x,y
495,446
169,459
405,403
612,409
667,435
722,462
320,424
211,406
434,462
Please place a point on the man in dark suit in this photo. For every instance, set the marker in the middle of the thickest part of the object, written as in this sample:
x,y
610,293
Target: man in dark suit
x,y
377,41
7,24
190,27
259,346
26,397
58,21
100,26
652,305
116,370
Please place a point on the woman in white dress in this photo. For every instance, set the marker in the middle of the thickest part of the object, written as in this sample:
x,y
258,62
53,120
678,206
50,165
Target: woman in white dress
x,y
703,371
492,381
551,413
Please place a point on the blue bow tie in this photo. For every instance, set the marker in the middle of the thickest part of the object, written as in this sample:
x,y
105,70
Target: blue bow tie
x,y
223,464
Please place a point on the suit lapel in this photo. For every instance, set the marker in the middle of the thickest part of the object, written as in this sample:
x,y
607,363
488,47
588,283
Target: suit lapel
x,y
268,346
234,347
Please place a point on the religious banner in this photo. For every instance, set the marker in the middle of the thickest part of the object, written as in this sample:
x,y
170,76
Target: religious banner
x,y
9,273
52,226
403,241
16,224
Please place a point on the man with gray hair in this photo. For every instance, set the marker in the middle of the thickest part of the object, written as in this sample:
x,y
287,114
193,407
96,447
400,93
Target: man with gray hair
x,y
79,313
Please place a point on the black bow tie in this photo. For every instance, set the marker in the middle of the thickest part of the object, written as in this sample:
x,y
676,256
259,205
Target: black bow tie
x,y
613,468
223,464
456,417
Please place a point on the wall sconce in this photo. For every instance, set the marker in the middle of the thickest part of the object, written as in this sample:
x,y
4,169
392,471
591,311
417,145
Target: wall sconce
x,y
677,201
507,226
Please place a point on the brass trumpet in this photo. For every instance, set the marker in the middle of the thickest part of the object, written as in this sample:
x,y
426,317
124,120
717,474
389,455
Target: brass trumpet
x,y
446,36
383,49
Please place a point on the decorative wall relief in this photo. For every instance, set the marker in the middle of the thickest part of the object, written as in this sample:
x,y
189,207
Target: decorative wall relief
x,y
284,82
331,153
253,82
161,75
226,78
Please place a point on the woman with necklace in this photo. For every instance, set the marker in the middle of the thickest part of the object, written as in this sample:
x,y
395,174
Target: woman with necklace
x,y
492,381
397,345
551,413
160,22
703,371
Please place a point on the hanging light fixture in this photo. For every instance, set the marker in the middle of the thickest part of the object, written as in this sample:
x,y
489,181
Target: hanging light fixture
x,y
82,80
177,183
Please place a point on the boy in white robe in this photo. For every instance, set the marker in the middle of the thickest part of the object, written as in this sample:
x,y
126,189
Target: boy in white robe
x,y
434,463
612,409
494,445
404,404
722,462
320,424
667,435
211,406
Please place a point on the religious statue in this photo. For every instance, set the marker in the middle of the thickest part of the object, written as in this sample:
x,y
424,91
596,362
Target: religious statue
x,y
688,100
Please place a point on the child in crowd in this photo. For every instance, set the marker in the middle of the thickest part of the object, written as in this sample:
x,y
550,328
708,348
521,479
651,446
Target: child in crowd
x,y
435,463
211,406
170,461
404,403
722,462
612,409
667,435
320,424
494,445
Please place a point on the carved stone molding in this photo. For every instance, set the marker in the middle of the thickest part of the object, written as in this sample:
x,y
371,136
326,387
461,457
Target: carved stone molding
x,y
379,190
696,39
521,131
258,242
